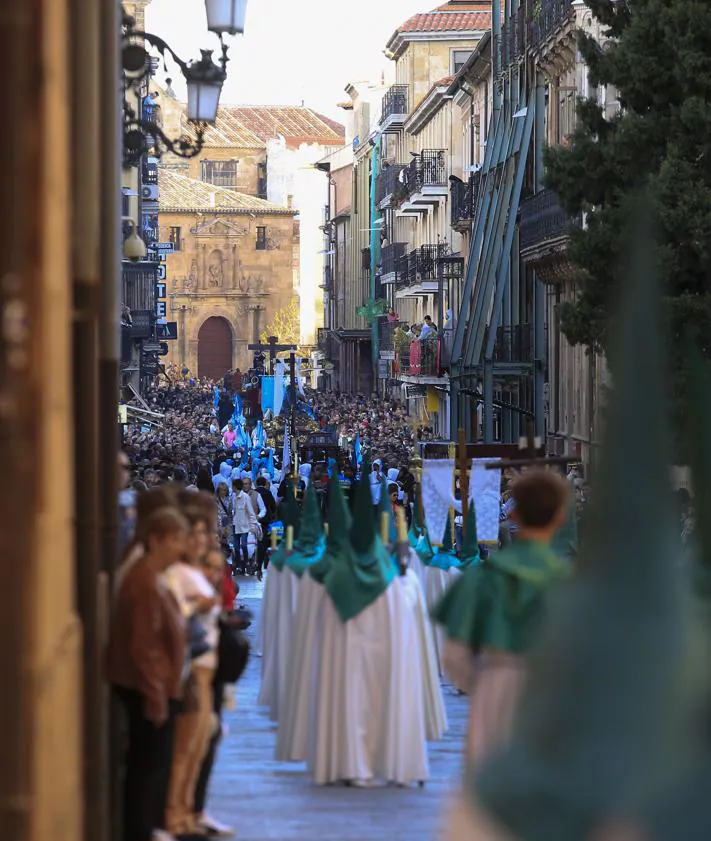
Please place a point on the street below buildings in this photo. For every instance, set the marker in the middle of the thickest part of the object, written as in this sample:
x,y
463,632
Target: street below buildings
x,y
264,799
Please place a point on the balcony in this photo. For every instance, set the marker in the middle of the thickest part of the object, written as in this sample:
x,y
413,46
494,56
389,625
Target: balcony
x,y
515,35
514,345
549,16
410,358
388,185
390,255
543,236
326,343
421,359
417,271
464,196
425,180
138,285
395,108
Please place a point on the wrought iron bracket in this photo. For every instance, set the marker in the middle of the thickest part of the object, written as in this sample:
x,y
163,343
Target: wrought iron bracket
x,y
143,135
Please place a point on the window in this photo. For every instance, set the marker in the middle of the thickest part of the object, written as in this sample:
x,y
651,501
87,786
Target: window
x,y
219,173
175,238
459,59
261,239
262,181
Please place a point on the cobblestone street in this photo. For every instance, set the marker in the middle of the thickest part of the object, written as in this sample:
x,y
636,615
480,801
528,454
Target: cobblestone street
x,y
266,800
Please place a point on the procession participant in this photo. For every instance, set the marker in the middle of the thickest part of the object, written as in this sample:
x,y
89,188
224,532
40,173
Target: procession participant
x,y
370,725
491,615
296,721
308,548
278,608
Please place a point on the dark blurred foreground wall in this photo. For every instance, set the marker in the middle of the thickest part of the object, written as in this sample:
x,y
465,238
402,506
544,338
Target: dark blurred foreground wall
x,y
58,317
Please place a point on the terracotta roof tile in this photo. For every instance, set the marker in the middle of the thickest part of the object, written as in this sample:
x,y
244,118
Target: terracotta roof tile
x,y
450,17
247,127
178,193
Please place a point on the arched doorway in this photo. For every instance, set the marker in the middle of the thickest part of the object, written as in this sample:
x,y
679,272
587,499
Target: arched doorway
x,y
214,348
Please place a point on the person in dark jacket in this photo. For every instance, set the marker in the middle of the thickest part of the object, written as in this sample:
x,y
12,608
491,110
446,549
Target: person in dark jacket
x,y
265,522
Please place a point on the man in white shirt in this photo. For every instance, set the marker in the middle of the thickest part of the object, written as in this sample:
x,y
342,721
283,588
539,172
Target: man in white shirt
x,y
245,521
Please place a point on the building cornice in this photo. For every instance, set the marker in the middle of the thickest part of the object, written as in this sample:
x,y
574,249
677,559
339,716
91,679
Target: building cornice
x,y
228,211
427,109
400,44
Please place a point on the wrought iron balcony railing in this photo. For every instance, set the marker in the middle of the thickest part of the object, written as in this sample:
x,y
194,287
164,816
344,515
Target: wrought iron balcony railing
x,y
464,196
388,182
514,344
542,220
514,38
395,102
390,255
547,16
138,285
419,265
426,169
421,359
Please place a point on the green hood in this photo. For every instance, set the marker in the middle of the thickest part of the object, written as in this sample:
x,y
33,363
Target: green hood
x,y
600,726
290,514
445,556
362,569
339,524
310,546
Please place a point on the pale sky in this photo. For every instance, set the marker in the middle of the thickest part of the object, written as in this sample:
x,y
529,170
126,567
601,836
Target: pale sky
x,y
292,50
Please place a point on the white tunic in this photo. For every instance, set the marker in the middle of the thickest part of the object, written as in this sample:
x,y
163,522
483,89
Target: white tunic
x,y
277,642
370,725
437,582
435,712
296,719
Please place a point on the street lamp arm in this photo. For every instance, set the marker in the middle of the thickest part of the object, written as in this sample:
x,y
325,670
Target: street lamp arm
x,y
135,130
161,45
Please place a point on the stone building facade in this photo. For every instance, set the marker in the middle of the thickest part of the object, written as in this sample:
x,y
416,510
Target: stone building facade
x,y
230,273
268,152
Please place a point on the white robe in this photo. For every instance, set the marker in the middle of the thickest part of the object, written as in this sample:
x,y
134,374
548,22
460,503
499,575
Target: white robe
x,y
435,712
498,685
370,725
275,661
415,564
296,720
267,619
437,582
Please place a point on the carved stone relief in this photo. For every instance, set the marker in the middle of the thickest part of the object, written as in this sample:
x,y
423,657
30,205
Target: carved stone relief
x,y
191,281
215,270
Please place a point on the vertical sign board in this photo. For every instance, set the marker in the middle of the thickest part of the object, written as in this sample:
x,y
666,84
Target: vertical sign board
x,y
161,304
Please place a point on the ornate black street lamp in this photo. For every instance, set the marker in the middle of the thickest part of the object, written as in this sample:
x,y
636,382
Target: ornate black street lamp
x,y
141,132
226,17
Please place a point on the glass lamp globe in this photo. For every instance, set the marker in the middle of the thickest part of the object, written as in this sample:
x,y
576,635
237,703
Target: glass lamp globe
x,y
226,17
204,81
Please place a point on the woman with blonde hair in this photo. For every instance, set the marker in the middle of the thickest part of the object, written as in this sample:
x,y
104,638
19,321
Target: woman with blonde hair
x,y
200,605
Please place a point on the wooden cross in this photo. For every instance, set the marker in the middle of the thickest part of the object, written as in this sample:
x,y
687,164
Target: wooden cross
x,y
530,445
273,349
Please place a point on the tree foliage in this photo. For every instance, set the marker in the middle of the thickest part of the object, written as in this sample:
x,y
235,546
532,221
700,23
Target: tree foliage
x,y
286,325
658,57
